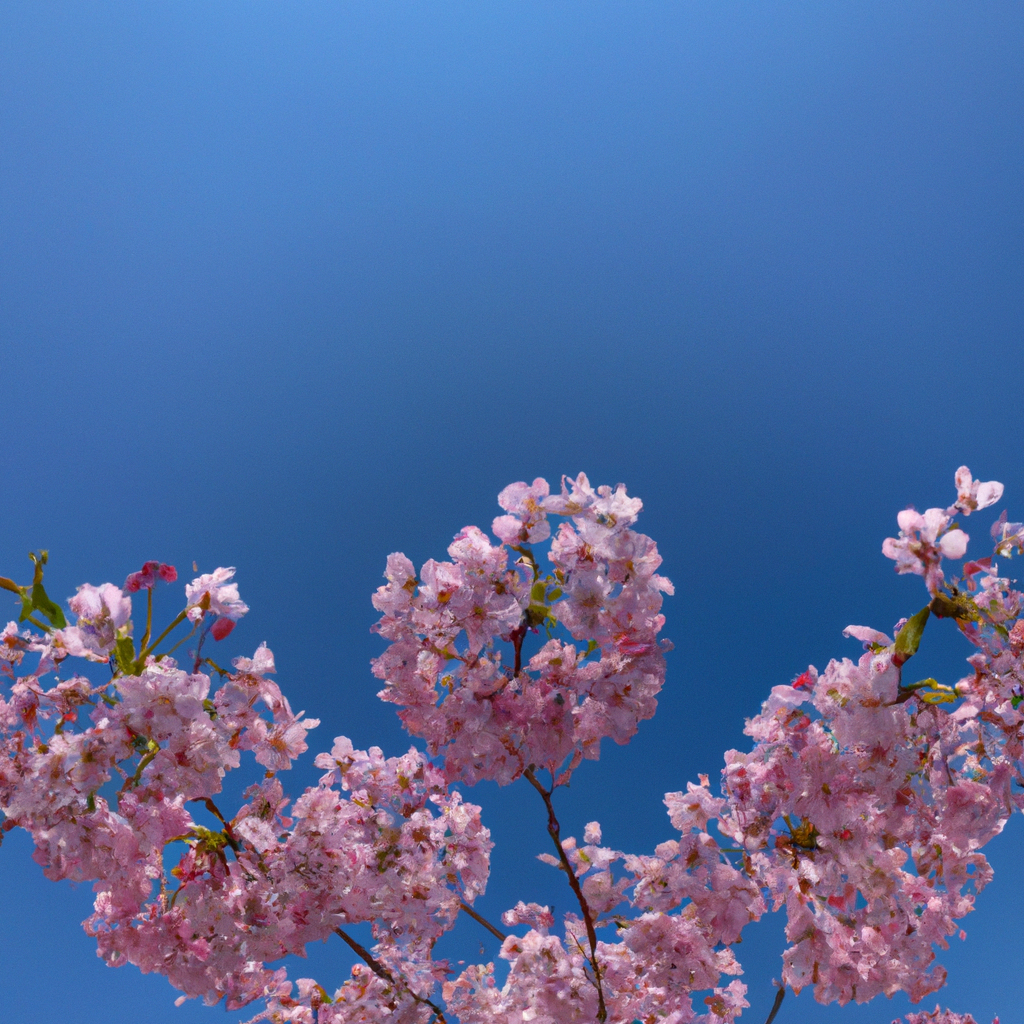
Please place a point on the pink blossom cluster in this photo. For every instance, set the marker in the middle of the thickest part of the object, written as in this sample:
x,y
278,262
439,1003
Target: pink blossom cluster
x,y
112,782
926,538
675,916
455,663
861,809
863,816
940,1016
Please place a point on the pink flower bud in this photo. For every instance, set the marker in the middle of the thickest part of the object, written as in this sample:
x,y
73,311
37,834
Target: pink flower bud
x,y
221,628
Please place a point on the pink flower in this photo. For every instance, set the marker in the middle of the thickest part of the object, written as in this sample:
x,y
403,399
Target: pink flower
x,y
222,596
871,638
104,614
923,543
527,523
260,664
13,643
954,544
973,495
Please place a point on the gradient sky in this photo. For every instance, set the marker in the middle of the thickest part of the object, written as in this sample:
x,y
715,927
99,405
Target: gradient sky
x,y
290,286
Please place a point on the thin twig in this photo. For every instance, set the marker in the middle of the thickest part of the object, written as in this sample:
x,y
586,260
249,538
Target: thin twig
x,y
482,920
517,636
574,882
779,996
229,832
176,621
385,975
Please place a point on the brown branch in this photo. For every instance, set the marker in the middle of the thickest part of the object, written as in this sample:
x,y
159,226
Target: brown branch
x,y
385,975
779,996
517,636
482,920
229,832
574,882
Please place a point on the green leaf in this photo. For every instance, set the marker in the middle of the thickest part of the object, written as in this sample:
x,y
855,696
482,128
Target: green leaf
x,y
124,655
909,637
931,697
37,599
536,614
41,602
954,606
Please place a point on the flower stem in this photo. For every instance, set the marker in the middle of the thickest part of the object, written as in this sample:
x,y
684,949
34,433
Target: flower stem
x,y
149,617
176,621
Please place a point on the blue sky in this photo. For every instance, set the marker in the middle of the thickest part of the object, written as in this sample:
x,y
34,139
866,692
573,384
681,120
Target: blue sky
x,y
292,286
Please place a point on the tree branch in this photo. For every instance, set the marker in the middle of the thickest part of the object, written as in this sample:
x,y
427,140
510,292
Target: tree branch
x,y
482,920
779,996
385,975
574,882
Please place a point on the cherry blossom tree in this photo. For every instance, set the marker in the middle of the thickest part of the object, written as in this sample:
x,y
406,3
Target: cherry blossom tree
x,y
861,808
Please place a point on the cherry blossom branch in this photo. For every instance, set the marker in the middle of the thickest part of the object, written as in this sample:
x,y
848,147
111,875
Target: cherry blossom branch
x,y
779,996
385,975
941,774
229,832
482,920
554,830
517,636
152,750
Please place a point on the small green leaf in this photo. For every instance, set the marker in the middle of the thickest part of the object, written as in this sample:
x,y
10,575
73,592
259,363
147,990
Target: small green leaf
x,y
124,655
536,614
41,602
37,599
938,698
909,637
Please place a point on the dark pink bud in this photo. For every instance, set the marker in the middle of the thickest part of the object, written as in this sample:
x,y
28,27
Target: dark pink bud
x,y
168,573
221,628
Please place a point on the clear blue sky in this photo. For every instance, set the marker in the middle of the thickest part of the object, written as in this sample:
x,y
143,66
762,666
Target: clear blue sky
x,y
292,286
